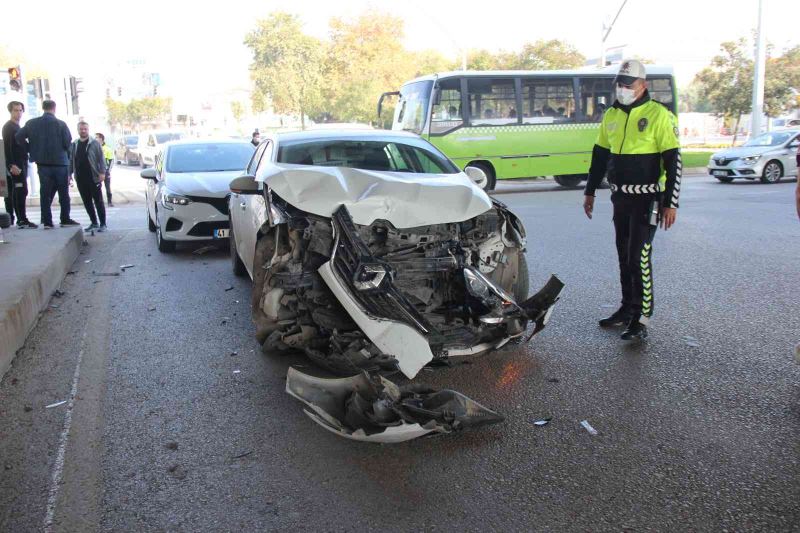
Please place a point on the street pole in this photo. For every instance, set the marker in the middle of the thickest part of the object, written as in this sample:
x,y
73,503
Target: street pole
x,y
604,32
758,78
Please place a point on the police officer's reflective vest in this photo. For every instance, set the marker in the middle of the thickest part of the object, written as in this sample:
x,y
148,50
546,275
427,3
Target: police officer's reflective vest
x,y
639,147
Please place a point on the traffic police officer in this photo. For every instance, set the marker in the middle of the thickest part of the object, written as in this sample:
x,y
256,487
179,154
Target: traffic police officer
x,y
639,149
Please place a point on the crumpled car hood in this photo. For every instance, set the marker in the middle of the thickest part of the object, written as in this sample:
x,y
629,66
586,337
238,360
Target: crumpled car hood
x,y
407,200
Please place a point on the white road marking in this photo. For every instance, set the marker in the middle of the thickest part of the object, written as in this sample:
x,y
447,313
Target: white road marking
x,y
58,466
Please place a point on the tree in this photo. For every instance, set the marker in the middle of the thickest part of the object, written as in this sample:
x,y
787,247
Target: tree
x,y
117,113
237,111
365,58
286,67
548,55
782,81
149,109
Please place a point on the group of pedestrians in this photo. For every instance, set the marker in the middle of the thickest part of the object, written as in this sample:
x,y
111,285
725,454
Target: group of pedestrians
x,y
48,142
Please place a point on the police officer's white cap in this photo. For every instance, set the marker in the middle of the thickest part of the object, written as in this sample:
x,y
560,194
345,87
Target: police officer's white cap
x,y
630,71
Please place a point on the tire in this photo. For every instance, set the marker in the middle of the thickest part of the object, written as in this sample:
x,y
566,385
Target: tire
x,y
725,180
236,262
522,286
773,171
150,224
570,181
165,247
491,180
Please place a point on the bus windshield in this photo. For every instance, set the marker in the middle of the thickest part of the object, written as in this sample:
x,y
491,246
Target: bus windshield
x,y
412,109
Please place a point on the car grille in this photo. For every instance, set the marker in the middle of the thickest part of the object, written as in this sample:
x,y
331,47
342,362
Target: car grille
x,y
221,204
722,161
385,301
206,229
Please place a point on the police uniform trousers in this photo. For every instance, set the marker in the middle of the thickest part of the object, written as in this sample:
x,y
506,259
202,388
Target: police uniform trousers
x,y
635,227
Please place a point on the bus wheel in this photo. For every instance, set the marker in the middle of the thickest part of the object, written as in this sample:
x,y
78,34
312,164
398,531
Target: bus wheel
x,y
478,167
569,180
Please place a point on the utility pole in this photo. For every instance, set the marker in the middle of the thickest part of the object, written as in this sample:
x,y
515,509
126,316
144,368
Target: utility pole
x,y
604,32
758,78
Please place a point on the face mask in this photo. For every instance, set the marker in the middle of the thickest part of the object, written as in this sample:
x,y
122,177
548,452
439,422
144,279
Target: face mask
x,y
626,96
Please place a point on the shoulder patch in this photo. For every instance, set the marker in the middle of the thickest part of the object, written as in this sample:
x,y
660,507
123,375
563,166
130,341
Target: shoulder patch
x,y
677,131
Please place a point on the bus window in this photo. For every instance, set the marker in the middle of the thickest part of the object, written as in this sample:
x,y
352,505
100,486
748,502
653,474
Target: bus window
x,y
597,95
492,102
412,109
545,101
661,90
447,114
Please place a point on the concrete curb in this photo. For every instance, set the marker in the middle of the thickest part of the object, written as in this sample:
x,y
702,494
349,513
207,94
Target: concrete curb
x,y
120,198
38,270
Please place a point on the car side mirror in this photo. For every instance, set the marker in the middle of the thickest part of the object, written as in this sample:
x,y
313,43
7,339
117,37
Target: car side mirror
x,y
477,175
244,185
149,174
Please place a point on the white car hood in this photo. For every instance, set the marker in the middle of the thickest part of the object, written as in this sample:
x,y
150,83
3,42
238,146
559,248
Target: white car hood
x,y
209,184
405,199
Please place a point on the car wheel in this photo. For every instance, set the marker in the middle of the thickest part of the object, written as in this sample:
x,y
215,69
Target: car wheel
x,y
725,180
164,247
772,172
522,285
236,262
491,180
569,181
150,224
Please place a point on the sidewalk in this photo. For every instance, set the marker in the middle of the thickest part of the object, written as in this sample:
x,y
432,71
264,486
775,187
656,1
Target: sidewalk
x,y
120,198
33,263
548,184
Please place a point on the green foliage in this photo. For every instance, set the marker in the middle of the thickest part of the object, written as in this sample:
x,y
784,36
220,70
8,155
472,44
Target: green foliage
x,y
137,112
286,67
237,110
548,55
117,112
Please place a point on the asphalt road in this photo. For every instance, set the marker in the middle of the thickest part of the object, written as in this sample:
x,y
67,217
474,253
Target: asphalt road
x,y
181,424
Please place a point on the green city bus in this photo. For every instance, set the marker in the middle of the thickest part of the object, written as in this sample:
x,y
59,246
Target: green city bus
x,y
517,124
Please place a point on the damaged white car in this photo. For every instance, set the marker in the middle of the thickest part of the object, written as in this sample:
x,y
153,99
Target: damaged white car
x,y
371,252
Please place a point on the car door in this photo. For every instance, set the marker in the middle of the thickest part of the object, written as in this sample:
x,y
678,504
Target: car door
x,y
236,209
253,212
789,159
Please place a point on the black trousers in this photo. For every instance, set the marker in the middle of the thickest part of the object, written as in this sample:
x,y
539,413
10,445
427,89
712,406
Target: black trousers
x,y
92,196
9,200
635,227
17,194
107,181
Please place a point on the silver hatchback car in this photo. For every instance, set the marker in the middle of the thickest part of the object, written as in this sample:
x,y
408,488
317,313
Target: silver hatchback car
x,y
768,157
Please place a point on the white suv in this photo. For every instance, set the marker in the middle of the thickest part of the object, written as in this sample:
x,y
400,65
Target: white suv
x,y
151,142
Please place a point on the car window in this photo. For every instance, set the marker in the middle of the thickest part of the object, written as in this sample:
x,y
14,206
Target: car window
x,y
253,164
131,141
769,139
366,155
161,138
208,157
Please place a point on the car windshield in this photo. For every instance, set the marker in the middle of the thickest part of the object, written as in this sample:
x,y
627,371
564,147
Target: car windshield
x,y
161,138
132,141
208,157
770,139
366,155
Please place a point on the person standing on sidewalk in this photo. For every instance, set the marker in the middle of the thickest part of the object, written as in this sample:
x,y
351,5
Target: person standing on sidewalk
x,y
255,139
48,140
638,147
108,155
87,165
16,167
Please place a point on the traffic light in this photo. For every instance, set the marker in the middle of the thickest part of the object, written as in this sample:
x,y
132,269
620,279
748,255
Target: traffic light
x,y
15,79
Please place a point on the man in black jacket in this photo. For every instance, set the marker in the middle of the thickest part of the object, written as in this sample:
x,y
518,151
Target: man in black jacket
x,y
87,164
48,141
16,167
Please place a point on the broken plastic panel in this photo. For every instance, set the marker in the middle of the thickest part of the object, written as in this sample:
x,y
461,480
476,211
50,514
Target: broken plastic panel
x,y
374,409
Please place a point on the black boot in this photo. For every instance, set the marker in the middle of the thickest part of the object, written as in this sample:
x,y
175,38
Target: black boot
x,y
635,330
621,317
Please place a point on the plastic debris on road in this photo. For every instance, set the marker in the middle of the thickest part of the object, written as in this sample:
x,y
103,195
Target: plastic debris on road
x,y
123,267
204,249
588,427
543,421
88,261
105,273
62,402
151,308
237,371
229,288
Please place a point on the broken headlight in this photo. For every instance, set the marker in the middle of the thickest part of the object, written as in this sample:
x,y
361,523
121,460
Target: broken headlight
x,y
483,288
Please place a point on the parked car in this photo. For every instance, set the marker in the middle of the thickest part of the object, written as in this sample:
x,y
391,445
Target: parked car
x,y
780,123
126,150
187,189
371,251
150,144
768,157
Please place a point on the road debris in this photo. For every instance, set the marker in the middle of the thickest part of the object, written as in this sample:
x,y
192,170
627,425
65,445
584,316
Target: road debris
x,y
151,308
27,408
123,267
177,471
691,341
229,288
204,249
72,272
225,320
554,380
245,454
234,353
54,306
171,445
543,421
237,371
105,273
62,402
88,261
59,293
588,427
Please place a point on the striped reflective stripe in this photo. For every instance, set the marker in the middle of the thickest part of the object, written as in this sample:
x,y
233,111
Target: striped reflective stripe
x,y
676,191
647,280
637,189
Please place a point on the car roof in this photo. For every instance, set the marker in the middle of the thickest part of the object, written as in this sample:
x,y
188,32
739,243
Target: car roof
x,y
206,140
344,134
611,70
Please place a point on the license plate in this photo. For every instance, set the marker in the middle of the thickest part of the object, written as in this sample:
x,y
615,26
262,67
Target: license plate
x,y
720,173
221,233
